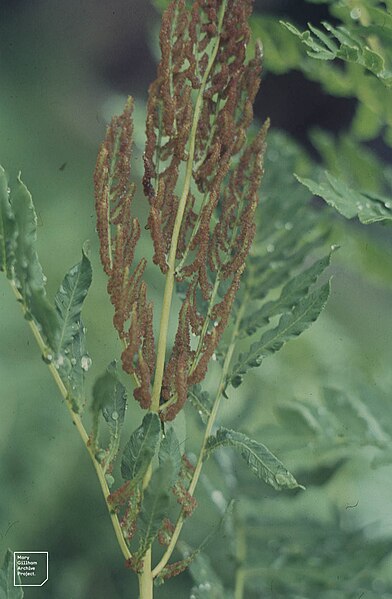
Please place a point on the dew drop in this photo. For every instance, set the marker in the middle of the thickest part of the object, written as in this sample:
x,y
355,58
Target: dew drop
x,y
270,248
73,361
388,204
44,278
356,13
109,479
59,361
214,357
47,358
86,362
288,226
114,415
216,323
100,455
334,247
359,206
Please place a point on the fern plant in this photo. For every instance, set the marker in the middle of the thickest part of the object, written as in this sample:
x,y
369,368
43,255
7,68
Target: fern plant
x,y
242,294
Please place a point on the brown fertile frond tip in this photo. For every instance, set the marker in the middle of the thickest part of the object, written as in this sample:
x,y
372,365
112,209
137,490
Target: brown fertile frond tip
x,y
199,111
118,233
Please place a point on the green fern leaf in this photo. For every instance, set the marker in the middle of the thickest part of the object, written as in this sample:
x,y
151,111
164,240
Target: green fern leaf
x,y
69,300
110,400
27,271
72,366
155,506
259,459
341,42
290,325
292,293
72,359
114,411
200,400
170,450
141,448
7,228
369,208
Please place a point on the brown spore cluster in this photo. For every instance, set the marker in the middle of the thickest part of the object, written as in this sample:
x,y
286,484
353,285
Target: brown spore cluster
x,y
198,150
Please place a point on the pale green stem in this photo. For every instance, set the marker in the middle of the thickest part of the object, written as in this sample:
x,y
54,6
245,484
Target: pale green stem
x,y
199,464
169,286
146,589
145,577
81,430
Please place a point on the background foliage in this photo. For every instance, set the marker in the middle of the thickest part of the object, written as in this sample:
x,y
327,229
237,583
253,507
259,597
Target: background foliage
x,y
322,404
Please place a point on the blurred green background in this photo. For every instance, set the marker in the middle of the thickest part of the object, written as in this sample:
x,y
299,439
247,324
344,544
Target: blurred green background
x,y
65,68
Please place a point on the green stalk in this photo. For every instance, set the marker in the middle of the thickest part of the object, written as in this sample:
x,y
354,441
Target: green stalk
x,y
211,421
81,430
145,577
146,590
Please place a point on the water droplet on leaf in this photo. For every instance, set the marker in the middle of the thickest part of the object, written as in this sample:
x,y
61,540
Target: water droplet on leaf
x,y
355,13
100,456
86,362
109,479
59,361
47,358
